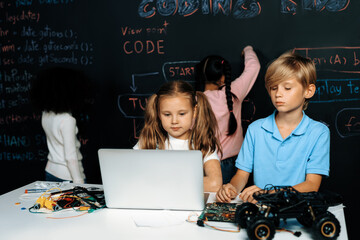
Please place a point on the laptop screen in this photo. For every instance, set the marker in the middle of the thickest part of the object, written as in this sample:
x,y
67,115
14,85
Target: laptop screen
x,y
152,179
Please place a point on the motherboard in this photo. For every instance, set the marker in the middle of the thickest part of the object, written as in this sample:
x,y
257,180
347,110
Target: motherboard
x,y
219,212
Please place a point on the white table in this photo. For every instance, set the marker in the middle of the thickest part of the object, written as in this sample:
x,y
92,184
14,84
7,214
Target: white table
x,y
108,224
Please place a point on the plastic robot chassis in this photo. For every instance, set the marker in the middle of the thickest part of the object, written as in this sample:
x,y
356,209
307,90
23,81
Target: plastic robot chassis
x,y
275,203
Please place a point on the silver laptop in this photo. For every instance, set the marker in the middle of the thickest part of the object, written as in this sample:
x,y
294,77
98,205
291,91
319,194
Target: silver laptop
x,y
152,179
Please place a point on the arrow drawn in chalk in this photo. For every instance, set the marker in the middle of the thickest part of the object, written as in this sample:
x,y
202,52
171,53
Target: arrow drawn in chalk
x,y
133,85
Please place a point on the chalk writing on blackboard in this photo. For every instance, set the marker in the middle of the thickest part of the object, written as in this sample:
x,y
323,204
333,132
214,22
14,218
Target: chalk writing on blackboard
x,y
336,90
39,155
39,46
329,5
35,47
22,17
134,42
248,110
12,142
132,104
13,118
334,59
162,29
26,45
290,6
347,122
144,46
179,70
20,3
240,9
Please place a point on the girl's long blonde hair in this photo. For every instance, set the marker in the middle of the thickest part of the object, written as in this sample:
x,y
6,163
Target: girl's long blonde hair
x,y
204,131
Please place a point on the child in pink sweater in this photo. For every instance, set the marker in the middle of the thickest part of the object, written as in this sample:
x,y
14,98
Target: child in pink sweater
x,y
213,76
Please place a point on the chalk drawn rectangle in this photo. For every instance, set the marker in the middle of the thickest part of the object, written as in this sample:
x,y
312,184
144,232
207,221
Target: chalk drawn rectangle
x,y
145,82
132,105
334,59
179,70
337,90
347,122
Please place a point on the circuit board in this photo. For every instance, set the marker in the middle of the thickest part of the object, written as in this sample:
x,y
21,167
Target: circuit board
x,y
219,212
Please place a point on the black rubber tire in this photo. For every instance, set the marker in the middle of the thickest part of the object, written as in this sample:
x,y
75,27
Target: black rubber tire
x,y
244,212
326,226
261,228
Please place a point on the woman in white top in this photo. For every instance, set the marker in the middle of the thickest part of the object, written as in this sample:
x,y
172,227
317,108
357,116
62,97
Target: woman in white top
x,y
60,93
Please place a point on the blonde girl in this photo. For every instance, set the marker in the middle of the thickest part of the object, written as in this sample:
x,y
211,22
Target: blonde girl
x,y
179,118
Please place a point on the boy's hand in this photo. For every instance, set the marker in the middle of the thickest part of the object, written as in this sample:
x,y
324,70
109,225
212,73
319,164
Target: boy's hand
x,y
247,194
226,193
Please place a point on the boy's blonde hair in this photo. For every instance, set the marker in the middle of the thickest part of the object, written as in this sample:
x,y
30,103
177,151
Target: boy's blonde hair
x,y
203,134
288,66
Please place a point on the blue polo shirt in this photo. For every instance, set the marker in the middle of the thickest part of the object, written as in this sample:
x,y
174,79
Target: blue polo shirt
x,y
284,162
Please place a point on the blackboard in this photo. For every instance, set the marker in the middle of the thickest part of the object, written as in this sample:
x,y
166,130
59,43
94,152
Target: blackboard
x,y
129,48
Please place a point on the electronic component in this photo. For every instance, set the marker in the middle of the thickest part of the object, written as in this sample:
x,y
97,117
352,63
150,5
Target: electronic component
x,y
78,197
47,203
219,212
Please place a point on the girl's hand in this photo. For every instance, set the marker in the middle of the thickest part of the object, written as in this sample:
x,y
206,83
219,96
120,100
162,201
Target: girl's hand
x,y
243,51
226,193
247,194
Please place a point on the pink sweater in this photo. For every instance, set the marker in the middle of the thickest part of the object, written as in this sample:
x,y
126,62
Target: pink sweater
x,y
217,98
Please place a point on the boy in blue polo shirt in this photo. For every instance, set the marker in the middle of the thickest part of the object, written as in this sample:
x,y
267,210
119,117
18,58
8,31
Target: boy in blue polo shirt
x,y
287,148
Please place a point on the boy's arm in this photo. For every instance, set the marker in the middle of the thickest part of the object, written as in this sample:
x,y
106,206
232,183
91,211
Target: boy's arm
x,y
247,194
319,163
239,180
229,191
311,183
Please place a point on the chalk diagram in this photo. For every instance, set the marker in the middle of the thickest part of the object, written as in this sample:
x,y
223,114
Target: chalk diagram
x,y
340,59
347,122
132,104
143,85
336,90
180,70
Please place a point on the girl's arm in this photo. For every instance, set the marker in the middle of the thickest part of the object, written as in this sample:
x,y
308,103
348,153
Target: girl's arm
x,y
243,84
137,146
68,131
212,177
229,191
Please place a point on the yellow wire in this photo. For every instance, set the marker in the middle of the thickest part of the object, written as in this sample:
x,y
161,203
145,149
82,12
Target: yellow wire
x,y
50,190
